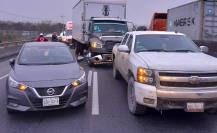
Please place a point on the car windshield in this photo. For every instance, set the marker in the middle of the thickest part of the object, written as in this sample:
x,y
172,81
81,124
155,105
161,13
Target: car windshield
x,y
164,43
109,28
48,55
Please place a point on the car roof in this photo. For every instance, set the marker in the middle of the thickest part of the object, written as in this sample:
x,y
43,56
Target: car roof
x,y
155,33
42,44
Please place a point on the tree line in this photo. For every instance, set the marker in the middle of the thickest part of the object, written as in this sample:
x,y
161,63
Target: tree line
x,y
44,26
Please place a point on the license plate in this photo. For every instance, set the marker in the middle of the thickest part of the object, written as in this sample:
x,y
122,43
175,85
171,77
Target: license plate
x,y
54,101
195,107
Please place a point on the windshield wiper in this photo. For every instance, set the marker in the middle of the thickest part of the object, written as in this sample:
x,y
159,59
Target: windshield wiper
x,y
182,50
153,50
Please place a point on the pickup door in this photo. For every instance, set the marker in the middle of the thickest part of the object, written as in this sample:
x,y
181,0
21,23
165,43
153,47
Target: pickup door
x,y
123,58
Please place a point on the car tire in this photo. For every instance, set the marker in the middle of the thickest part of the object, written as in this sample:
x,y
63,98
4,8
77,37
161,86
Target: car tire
x,y
11,111
116,73
134,107
212,111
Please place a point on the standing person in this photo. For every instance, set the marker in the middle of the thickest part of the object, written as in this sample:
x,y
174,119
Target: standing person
x,y
41,38
54,37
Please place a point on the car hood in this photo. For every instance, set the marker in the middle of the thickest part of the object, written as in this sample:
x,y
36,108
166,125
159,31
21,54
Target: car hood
x,y
179,61
24,73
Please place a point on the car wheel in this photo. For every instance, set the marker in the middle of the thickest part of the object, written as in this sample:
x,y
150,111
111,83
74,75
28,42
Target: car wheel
x,y
11,111
116,73
212,111
134,107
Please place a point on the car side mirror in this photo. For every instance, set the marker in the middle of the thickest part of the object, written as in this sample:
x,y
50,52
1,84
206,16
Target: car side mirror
x,y
118,44
123,48
204,49
12,62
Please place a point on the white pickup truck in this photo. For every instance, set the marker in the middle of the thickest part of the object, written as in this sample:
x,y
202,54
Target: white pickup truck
x,y
166,70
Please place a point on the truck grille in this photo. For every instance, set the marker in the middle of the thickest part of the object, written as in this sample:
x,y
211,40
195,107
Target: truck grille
x,y
109,45
188,80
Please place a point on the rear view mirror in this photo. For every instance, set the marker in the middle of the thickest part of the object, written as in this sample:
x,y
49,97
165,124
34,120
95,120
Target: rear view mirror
x,y
12,62
204,49
123,48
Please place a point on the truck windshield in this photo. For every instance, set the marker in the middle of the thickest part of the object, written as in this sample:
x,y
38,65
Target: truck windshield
x,y
109,27
164,43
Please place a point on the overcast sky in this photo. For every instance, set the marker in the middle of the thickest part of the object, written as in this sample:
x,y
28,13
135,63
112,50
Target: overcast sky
x,y
138,11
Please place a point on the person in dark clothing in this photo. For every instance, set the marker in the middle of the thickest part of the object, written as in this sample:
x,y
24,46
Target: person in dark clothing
x,y
41,38
54,37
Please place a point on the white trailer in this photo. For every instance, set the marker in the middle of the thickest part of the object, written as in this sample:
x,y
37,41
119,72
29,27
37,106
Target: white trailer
x,y
84,10
196,19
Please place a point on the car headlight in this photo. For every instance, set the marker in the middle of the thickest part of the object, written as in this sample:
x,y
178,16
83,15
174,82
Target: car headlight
x,y
145,76
79,81
15,84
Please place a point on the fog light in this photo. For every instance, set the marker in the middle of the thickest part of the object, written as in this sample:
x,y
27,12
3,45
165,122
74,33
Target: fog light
x,y
22,87
148,101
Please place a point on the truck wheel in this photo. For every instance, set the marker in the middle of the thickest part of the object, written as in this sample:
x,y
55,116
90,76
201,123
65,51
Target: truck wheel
x,y
116,73
134,107
90,64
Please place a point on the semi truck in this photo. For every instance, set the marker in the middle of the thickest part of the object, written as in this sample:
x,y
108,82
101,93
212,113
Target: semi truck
x,y
98,26
197,20
158,22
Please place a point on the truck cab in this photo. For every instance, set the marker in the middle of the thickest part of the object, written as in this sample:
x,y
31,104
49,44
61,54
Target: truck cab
x,y
103,34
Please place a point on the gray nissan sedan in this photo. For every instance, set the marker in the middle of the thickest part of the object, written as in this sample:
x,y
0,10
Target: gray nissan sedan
x,y
45,76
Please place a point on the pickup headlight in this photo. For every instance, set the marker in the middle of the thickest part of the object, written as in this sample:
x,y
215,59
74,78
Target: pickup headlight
x,y
79,81
15,84
145,76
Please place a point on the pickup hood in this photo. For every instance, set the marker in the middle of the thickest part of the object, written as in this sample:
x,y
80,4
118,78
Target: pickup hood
x,y
40,73
179,61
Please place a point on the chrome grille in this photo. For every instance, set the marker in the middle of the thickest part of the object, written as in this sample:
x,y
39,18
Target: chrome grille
x,y
187,80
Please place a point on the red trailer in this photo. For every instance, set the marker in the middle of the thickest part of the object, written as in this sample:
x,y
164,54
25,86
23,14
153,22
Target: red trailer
x,y
159,22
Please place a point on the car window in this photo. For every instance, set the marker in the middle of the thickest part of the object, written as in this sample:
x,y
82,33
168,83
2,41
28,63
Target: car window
x,y
129,42
45,55
125,39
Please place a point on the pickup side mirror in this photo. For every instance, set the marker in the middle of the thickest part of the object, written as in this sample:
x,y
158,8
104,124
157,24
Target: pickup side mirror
x,y
123,48
12,62
204,49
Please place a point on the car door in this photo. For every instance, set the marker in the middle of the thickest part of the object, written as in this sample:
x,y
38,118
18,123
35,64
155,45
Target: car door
x,y
125,58
118,58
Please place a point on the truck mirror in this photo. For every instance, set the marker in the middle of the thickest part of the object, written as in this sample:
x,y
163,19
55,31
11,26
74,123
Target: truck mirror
x,y
123,48
204,49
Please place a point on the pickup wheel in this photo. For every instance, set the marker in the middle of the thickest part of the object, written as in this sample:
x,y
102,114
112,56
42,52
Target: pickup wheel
x,y
116,73
134,107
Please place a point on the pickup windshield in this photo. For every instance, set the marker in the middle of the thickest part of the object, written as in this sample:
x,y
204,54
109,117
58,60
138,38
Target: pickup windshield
x,y
109,27
164,43
48,55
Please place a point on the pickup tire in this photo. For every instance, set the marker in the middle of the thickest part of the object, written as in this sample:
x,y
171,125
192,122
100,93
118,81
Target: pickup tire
x,y
116,73
134,107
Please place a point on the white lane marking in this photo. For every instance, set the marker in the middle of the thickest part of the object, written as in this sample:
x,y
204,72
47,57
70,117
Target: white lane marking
x,y
95,98
89,78
5,76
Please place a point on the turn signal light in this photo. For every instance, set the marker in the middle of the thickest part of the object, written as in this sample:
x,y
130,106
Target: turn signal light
x,y
22,87
144,76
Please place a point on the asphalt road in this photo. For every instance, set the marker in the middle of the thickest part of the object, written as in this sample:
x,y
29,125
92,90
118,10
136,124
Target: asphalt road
x,y
105,112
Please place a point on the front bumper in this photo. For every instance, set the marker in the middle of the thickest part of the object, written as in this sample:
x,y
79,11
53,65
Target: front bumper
x,y
29,101
164,99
